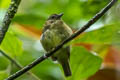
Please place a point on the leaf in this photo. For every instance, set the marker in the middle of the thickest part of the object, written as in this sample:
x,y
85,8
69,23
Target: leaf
x,y
4,62
108,34
3,75
83,63
11,45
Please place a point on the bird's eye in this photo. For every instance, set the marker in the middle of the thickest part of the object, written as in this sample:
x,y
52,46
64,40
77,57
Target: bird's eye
x,y
53,17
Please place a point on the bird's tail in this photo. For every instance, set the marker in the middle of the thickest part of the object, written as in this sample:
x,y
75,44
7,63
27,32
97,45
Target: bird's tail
x,y
66,68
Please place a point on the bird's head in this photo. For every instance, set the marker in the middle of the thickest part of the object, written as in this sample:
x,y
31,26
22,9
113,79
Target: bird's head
x,y
54,19
55,16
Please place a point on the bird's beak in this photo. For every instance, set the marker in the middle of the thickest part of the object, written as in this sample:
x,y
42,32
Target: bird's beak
x,y
59,15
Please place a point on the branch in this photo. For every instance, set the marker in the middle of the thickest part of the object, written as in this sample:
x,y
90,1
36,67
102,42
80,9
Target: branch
x,y
18,64
8,17
40,59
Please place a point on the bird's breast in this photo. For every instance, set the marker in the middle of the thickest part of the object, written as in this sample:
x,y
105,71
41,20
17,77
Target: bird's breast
x,y
50,39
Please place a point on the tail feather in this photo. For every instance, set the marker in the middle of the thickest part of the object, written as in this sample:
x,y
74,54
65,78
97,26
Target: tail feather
x,y
66,68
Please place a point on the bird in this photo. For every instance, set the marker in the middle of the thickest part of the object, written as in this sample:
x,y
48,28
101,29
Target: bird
x,y
55,31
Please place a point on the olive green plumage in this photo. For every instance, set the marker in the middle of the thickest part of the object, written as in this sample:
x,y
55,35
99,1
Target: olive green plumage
x,y
54,32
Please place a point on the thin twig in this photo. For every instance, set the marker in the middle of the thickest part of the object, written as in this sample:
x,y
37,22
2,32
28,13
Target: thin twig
x,y
18,64
40,59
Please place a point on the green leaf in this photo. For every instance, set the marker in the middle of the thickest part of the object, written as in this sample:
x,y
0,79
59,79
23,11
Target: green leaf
x,y
4,62
3,75
109,34
83,63
11,45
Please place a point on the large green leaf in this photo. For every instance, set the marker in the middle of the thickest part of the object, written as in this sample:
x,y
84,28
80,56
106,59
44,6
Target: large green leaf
x,y
109,34
11,45
83,63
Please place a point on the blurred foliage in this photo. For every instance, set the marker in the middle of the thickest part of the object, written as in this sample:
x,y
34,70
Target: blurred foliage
x,y
4,4
108,34
4,61
21,44
83,63
3,75
14,49
74,11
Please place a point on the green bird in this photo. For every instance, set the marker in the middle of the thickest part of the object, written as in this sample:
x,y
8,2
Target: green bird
x,y
54,32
